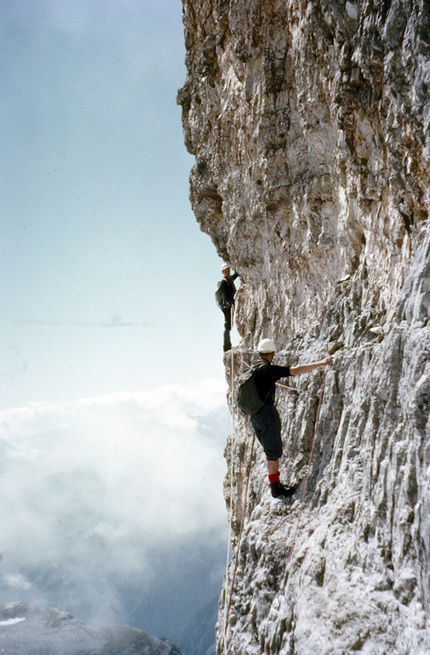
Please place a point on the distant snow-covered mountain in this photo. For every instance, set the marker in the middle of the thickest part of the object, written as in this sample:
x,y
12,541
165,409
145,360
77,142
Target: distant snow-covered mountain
x,y
26,630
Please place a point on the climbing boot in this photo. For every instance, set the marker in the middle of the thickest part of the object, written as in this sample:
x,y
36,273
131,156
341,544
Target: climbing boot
x,y
279,490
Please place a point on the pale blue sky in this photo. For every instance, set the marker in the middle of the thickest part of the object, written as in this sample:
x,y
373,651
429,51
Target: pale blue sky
x,y
96,225
107,297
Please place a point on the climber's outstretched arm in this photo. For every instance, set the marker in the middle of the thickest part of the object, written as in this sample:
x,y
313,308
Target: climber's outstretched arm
x,y
306,368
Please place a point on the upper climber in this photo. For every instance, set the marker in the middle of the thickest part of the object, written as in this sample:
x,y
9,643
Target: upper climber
x,y
224,297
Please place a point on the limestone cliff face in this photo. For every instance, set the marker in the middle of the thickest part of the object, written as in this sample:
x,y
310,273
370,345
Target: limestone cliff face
x,y
309,122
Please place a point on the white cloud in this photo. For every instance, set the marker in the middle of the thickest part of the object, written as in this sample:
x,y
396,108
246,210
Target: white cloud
x,y
17,581
93,487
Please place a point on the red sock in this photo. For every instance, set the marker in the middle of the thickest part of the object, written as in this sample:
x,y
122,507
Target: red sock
x,y
274,477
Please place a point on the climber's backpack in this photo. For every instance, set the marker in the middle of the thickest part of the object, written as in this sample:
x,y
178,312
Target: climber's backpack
x,y
220,296
247,398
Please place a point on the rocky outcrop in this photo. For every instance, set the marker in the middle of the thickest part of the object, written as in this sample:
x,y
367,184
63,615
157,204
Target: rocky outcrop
x,y
26,630
309,123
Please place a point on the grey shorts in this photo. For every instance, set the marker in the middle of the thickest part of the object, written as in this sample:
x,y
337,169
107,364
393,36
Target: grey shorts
x,y
267,426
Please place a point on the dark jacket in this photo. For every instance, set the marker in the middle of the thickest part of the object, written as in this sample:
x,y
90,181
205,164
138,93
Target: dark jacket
x,y
265,379
226,292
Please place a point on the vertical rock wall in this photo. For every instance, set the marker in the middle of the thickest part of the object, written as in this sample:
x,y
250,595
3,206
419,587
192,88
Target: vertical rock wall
x,y
309,123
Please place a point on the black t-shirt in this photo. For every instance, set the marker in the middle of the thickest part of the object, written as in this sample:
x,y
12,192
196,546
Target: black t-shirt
x,y
265,378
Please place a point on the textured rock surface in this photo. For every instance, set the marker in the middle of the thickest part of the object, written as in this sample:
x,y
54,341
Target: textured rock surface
x,y
309,123
28,630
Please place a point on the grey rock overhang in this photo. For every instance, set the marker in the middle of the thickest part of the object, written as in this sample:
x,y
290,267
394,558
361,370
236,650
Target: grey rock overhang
x,y
309,123
309,127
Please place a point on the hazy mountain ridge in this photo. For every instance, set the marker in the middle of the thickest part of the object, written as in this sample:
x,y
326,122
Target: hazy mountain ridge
x,y
309,123
26,630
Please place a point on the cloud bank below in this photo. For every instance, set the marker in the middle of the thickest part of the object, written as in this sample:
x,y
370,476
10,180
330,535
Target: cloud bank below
x,y
106,500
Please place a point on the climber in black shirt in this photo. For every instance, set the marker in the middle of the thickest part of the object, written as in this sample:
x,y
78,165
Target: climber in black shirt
x,y
266,421
224,296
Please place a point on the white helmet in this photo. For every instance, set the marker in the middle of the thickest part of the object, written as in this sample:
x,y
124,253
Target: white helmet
x,y
266,346
224,267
